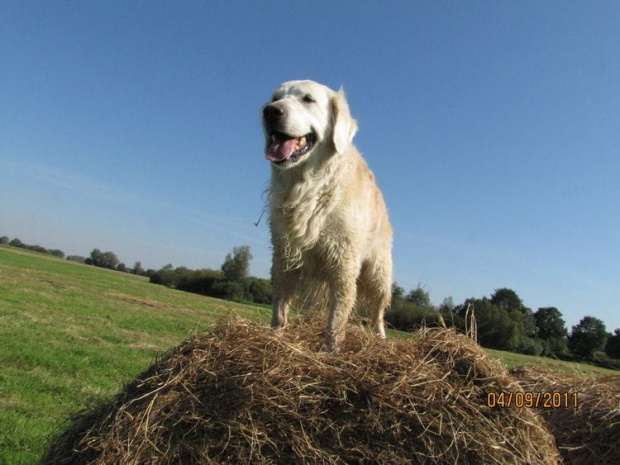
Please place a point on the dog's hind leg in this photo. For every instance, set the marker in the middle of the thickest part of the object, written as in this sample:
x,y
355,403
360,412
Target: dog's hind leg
x,y
376,287
284,293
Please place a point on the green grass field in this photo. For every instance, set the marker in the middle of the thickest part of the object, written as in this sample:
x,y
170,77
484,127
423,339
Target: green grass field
x,y
72,335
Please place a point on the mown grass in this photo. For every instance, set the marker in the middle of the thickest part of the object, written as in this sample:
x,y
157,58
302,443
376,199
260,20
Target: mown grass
x,y
72,335
511,359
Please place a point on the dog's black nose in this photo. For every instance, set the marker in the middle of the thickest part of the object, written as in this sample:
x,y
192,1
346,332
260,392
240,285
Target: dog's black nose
x,y
273,113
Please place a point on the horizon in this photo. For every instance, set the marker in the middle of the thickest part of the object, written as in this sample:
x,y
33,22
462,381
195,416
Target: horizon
x,y
491,130
129,266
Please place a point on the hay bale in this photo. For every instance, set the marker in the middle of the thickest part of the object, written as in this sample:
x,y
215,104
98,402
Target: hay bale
x,y
589,433
244,394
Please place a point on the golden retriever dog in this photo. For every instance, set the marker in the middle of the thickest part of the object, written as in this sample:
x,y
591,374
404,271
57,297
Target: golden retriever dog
x,y
328,220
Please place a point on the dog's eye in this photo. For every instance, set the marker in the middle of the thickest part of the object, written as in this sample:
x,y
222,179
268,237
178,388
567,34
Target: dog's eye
x,y
308,98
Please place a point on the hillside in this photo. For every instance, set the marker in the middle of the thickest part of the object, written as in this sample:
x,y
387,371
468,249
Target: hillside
x,y
72,335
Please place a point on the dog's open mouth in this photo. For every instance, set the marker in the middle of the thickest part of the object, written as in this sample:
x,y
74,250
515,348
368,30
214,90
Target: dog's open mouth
x,y
283,148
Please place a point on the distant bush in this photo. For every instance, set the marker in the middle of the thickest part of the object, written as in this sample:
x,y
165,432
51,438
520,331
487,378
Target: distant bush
x,y
554,347
137,269
17,243
496,329
230,283
103,259
407,316
259,290
587,337
604,361
229,290
530,346
612,348
213,283
175,278
34,248
56,253
184,279
199,281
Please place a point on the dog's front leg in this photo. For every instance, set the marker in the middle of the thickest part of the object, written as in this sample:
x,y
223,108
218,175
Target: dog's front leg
x,y
284,283
343,290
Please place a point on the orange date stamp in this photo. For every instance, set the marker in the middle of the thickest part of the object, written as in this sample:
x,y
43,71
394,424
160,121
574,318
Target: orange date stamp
x,y
529,399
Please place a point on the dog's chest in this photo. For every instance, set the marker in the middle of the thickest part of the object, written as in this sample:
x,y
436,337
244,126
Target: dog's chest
x,y
305,216
314,245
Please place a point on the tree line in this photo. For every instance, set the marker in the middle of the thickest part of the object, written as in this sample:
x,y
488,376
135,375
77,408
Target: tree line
x,y
4,240
503,321
230,282
98,258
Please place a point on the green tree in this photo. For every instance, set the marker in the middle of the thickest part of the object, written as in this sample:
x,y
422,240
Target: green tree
x,y
549,323
506,299
199,281
587,337
17,243
229,290
551,329
406,316
448,312
612,348
496,328
237,264
523,323
447,305
103,259
4,240
56,253
398,293
259,290
36,248
95,257
411,311
137,269
419,297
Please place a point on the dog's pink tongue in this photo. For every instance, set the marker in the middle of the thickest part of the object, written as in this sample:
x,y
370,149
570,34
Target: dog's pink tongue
x,y
280,150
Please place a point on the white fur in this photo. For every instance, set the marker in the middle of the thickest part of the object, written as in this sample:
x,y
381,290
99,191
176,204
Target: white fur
x,y
329,224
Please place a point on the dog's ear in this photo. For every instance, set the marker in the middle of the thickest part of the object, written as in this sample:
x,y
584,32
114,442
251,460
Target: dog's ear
x,y
345,126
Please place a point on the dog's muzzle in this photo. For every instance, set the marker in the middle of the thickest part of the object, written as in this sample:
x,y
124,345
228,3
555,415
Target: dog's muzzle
x,y
282,148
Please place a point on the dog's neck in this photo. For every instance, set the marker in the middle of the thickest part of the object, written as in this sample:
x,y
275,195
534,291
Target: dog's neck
x,y
300,186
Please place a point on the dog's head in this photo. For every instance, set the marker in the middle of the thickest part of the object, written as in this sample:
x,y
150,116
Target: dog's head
x,y
302,118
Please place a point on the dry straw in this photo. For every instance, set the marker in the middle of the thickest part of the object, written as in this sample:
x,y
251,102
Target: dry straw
x,y
244,394
589,433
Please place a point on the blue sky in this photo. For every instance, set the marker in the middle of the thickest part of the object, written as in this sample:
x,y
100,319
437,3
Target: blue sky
x,y
493,129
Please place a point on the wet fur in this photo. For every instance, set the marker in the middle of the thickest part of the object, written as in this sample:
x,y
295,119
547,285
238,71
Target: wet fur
x,y
328,220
